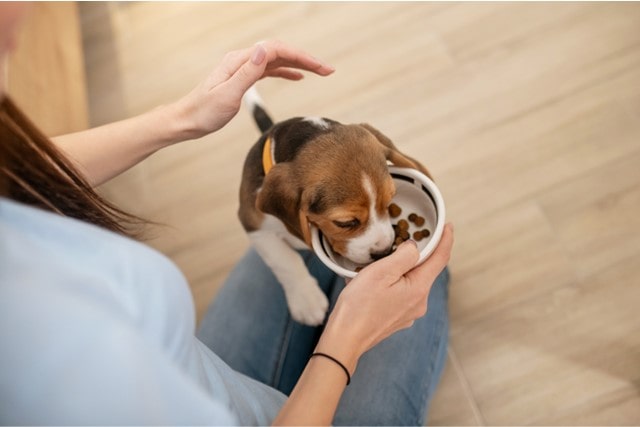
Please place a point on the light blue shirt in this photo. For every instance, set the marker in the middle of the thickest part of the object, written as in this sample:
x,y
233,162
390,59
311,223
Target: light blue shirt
x,y
96,328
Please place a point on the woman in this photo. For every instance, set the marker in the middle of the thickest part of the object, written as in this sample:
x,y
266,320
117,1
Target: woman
x,y
97,328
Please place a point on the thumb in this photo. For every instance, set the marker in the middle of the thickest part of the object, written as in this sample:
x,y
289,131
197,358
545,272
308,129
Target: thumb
x,y
249,72
394,266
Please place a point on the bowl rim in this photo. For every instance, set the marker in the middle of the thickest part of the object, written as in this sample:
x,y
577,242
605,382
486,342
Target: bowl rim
x,y
317,243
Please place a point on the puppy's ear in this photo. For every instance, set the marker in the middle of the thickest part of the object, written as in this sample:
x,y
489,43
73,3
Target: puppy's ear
x,y
304,227
280,196
393,154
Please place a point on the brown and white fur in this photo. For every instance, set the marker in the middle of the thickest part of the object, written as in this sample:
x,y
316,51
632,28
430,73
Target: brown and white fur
x,y
324,173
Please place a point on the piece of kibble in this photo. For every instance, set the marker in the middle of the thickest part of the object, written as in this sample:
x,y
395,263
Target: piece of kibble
x,y
394,210
402,233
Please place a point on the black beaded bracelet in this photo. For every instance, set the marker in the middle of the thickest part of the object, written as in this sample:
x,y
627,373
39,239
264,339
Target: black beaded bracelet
x,y
346,371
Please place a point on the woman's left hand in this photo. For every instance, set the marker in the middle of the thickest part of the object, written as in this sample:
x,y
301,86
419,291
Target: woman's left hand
x,y
216,100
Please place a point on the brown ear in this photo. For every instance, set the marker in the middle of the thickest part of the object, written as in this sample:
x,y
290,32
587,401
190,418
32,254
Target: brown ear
x,y
393,154
280,196
304,227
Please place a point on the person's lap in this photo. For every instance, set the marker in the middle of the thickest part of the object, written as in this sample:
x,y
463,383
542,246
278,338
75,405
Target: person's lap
x,y
249,327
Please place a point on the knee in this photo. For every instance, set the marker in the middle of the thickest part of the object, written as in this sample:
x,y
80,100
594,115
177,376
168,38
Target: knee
x,y
389,407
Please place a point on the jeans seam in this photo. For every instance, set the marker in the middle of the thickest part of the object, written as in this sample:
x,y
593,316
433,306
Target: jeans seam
x,y
284,345
442,337
432,364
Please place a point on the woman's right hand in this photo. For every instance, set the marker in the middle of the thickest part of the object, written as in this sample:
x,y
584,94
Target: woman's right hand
x,y
385,297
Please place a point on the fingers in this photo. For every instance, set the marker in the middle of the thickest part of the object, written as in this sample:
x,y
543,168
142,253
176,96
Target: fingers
x,y
245,67
249,72
282,55
429,270
389,269
441,256
284,73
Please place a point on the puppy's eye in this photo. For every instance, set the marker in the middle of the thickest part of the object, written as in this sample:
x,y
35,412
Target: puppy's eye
x,y
348,224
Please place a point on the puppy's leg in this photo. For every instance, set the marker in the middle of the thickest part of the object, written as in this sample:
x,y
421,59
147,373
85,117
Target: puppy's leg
x,y
307,303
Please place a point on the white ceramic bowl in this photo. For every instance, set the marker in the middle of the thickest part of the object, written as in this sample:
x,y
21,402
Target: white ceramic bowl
x,y
416,193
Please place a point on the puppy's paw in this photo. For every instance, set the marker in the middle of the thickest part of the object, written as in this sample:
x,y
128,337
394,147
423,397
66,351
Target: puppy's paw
x,y
307,303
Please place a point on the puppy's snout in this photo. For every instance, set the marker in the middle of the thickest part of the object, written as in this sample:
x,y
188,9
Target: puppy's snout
x,y
379,255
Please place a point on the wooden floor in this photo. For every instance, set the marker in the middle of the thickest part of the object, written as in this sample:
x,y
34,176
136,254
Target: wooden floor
x,y
527,114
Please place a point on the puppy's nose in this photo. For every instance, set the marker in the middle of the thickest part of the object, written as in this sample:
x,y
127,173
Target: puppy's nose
x,y
379,255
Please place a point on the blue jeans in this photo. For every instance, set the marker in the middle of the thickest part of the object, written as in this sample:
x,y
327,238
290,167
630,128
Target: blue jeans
x,y
249,327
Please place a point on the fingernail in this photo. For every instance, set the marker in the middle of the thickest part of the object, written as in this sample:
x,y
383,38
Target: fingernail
x,y
258,55
324,64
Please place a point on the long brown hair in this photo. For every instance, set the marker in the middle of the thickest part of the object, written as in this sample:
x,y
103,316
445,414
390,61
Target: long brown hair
x,y
33,171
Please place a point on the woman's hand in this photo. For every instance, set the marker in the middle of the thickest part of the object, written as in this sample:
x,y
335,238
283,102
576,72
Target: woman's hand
x,y
385,297
104,152
217,99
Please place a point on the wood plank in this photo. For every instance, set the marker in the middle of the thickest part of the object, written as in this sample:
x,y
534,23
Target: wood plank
x,y
46,72
453,404
502,260
572,346
595,217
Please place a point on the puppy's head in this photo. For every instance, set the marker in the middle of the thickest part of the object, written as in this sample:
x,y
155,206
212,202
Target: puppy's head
x,y
338,181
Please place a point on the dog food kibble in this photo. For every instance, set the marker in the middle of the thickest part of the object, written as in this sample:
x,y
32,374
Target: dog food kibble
x,y
394,210
421,234
416,219
401,228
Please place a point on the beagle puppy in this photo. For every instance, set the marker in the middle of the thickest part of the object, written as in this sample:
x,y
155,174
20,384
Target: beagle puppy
x,y
311,170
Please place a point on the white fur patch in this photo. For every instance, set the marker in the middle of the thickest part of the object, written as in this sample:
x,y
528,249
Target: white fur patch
x,y
318,121
272,225
377,237
276,246
252,97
